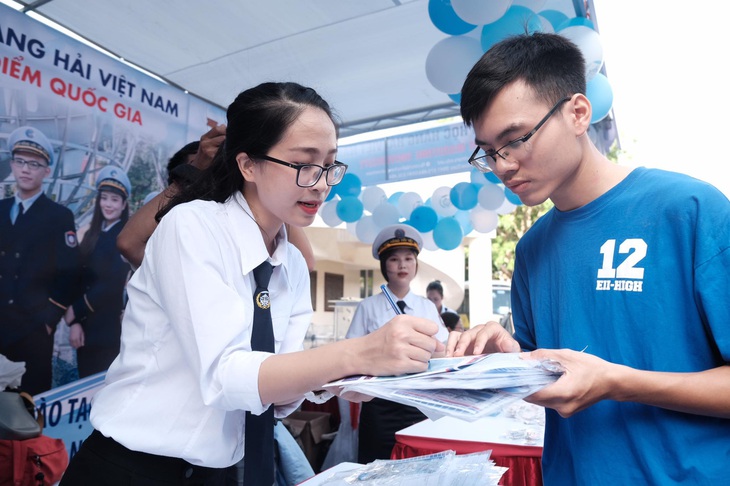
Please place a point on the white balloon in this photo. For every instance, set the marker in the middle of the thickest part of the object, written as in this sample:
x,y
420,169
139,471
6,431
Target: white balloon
x,y
483,220
441,202
589,43
386,214
366,230
371,197
428,243
480,12
329,213
450,60
352,228
506,207
534,5
490,196
408,202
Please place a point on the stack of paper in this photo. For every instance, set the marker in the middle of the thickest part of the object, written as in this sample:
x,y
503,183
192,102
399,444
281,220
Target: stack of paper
x,y
441,469
467,388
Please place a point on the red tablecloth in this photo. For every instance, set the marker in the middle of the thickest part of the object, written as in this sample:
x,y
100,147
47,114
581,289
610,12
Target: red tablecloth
x,y
524,462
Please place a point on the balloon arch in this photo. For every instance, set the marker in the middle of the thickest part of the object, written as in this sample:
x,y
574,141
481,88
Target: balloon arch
x,y
453,212
443,219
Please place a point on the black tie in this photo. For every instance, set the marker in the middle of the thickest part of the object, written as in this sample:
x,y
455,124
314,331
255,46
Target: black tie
x,y
21,212
402,306
258,459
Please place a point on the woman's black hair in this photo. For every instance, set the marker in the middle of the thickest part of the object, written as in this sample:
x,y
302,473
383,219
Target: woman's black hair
x,y
256,121
436,285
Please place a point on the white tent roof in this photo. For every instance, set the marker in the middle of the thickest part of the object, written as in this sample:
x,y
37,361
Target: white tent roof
x,y
366,57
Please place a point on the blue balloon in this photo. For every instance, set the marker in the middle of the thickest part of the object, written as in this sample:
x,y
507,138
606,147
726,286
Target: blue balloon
x,y
575,21
555,17
464,219
600,94
464,195
448,233
423,218
456,98
349,186
393,199
349,209
492,177
515,21
512,197
332,194
445,19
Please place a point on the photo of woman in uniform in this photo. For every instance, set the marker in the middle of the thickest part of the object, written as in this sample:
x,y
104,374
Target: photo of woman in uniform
x,y
96,315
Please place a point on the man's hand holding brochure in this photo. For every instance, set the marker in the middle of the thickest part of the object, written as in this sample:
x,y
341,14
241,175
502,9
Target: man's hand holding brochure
x,y
467,387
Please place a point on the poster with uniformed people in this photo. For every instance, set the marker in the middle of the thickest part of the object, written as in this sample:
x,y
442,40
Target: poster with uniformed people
x,y
84,138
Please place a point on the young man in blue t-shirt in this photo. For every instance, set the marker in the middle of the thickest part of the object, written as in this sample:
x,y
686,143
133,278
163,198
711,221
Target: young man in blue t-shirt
x,y
625,282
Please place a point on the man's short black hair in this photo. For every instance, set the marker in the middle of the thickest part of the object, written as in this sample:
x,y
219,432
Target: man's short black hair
x,y
181,157
450,319
550,64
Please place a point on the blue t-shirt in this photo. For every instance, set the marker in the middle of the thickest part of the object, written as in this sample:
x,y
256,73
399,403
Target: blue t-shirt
x,y
639,277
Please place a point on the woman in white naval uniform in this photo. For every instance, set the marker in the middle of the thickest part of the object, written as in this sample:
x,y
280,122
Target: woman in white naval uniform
x,y
397,247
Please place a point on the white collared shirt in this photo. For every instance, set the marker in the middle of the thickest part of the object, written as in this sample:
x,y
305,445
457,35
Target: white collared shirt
x,y
186,372
27,203
372,313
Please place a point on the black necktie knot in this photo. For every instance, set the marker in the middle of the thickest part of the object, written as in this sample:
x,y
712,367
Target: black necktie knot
x,y
402,306
262,274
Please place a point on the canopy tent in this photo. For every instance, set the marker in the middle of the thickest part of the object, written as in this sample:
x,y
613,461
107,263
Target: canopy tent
x,y
366,58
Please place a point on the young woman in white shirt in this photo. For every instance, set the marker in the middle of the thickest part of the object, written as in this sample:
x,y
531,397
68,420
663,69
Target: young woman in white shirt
x,y
173,407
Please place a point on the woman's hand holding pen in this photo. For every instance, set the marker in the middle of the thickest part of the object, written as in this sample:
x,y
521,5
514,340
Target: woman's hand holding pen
x,y
403,345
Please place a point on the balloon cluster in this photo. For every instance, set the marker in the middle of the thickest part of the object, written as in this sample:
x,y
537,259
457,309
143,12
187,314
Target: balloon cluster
x,y
442,220
475,25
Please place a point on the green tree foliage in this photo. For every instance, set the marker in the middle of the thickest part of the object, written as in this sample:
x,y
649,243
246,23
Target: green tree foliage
x,y
144,173
510,229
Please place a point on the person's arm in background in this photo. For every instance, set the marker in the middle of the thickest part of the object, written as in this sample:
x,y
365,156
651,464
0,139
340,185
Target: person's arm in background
x,y
66,271
298,238
138,229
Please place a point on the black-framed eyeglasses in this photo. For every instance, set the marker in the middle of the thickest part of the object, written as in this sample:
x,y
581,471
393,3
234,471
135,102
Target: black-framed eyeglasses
x,y
32,164
487,160
308,174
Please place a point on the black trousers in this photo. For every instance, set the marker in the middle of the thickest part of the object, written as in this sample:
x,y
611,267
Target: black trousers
x,y
94,359
36,349
102,461
379,421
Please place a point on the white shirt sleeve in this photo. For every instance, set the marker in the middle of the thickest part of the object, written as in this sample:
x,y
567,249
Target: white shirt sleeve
x,y
211,320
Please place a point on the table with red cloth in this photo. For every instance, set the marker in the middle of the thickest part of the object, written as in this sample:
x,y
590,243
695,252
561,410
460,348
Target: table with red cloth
x,y
504,436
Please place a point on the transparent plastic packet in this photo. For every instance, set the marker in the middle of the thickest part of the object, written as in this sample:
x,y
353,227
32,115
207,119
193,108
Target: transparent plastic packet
x,y
440,469
396,472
